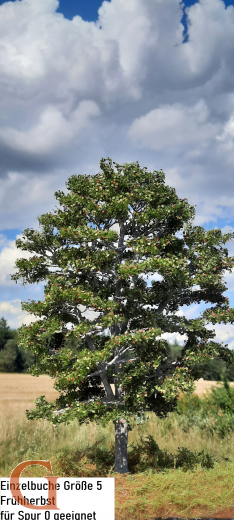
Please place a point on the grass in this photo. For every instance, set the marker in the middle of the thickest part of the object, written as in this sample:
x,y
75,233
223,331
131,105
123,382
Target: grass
x,y
179,467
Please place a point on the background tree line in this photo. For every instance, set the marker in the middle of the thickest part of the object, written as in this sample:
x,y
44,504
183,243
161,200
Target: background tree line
x,y
12,357
16,359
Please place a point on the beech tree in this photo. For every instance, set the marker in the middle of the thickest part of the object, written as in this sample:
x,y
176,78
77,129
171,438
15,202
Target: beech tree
x,y
86,263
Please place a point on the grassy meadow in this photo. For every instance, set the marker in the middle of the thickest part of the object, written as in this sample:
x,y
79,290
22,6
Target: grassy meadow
x,y
180,467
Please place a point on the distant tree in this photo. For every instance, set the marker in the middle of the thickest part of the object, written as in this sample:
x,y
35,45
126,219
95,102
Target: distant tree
x,y
174,351
104,270
26,358
10,358
5,333
211,371
15,334
229,370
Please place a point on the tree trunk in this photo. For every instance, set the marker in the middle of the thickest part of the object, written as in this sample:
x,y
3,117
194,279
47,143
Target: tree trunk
x,y
121,444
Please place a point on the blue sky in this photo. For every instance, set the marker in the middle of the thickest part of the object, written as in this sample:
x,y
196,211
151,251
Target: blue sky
x,y
81,80
88,10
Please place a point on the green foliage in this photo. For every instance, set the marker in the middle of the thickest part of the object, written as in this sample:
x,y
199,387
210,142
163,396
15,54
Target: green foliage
x,y
211,371
188,403
214,414
12,357
27,358
102,270
221,398
5,333
9,357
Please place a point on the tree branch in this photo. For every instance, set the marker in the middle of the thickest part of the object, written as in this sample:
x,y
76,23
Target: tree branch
x,y
105,365
112,402
102,371
159,373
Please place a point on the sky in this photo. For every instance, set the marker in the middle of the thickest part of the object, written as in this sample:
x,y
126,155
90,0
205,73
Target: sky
x,y
144,80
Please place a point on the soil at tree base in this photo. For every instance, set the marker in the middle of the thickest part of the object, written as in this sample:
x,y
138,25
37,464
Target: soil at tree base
x,y
228,514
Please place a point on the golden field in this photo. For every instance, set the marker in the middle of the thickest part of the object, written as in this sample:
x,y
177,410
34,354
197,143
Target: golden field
x,y
18,391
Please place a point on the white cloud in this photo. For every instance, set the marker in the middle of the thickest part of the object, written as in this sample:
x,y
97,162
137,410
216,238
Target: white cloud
x,y
72,93
223,333
8,257
171,337
13,314
52,131
173,127
227,136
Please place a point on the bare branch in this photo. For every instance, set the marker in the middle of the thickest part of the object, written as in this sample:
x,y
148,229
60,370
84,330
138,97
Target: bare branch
x,y
63,410
118,357
90,342
128,360
60,411
107,386
104,366
163,304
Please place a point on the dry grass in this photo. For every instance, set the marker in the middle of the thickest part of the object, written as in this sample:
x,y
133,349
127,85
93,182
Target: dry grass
x,y
139,496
